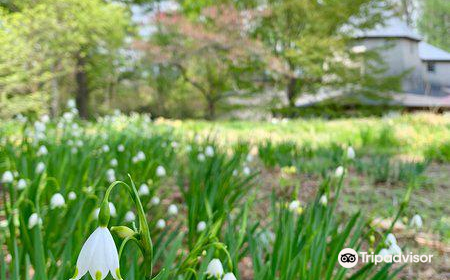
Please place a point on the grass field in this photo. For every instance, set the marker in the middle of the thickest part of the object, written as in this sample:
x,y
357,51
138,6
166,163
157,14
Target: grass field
x,y
269,200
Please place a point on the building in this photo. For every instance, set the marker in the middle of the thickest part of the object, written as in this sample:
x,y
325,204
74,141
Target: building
x,y
426,67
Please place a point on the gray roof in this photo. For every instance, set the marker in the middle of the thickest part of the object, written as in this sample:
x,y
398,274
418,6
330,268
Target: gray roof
x,y
392,28
428,52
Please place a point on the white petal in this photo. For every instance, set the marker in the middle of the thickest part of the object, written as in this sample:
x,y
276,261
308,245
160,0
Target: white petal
x,y
112,256
86,254
99,262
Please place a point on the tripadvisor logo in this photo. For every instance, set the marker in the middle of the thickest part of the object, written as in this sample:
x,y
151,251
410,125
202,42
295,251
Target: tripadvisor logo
x,y
348,258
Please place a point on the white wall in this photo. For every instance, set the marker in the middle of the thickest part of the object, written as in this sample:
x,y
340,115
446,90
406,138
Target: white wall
x,y
441,74
400,55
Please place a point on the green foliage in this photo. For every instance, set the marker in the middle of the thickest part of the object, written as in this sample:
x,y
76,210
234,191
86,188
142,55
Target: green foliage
x,y
434,22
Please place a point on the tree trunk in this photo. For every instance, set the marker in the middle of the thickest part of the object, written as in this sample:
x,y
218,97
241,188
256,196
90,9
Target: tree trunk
x,y
290,91
211,109
82,97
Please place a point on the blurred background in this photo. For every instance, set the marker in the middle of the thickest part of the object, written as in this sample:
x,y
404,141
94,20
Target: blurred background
x,y
250,59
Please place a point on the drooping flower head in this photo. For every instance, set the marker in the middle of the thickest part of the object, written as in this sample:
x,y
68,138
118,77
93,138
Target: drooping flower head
x,y
215,269
98,256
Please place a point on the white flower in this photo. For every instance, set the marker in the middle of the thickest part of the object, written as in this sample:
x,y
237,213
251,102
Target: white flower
x,y
111,175
112,209
45,118
33,220
161,224
160,171
114,162
294,205
351,153
73,150
323,200
390,239
105,148
72,196
22,184
201,157
121,148
57,201
79,143
209,151
384,252
140,156
249,158
201,226
229,276
39,126
42,151
155,200
394,249
40,167
416,221
134,159
246,170
235,172
173,209
130,217
188,148
174,144
71,103
7,177
98,256
68,116
339,171
215,269
144,190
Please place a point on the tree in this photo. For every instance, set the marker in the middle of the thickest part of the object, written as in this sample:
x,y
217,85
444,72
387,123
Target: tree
x,y
313,41
60,38
212,53
434,22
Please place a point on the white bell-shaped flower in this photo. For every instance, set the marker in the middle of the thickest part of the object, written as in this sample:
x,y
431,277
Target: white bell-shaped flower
x,y
215,269
160,171
246,170
155,200
130,217
114,162
21,184
390,239
72,196
57,201
7,177
384,252
173,209
105,148
33,220
144,190
40,167
323,200
416,221
229,276
339,171
201,226
42,151
161,224
394,249
294,205
351,153
98,256
121,148
140,156
201,157
209,151
110,175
